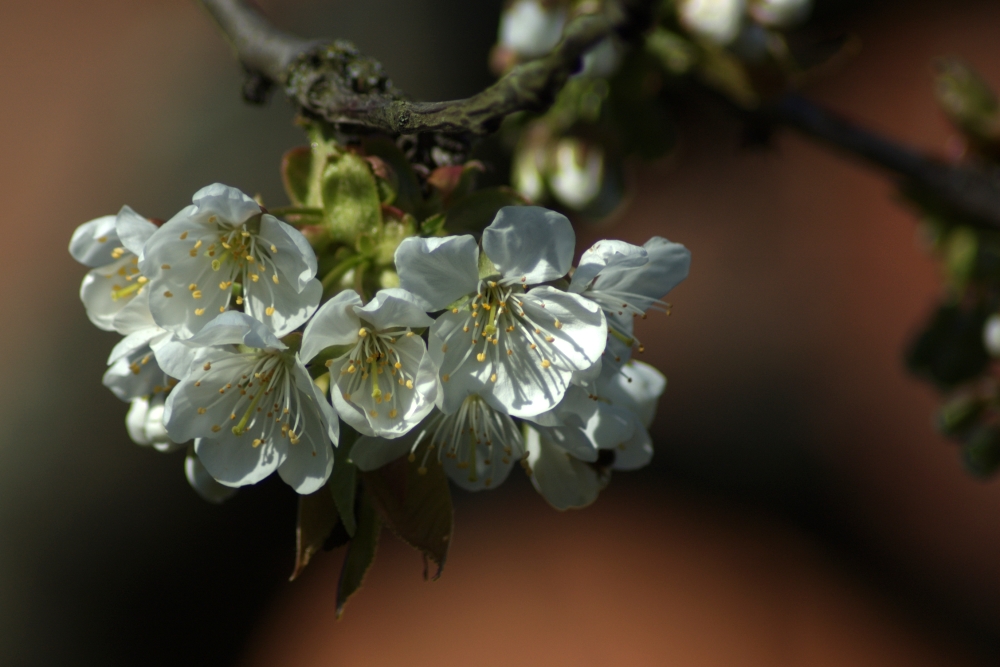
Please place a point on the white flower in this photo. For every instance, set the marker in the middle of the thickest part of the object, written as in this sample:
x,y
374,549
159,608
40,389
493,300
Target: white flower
x,y
622,411
144,423
516,347
194,259
581,424
634,390
110,245
991,335
578,174
531,30
254,408
780,13
564,481
385,383
476,444
202,481
715,20
626,281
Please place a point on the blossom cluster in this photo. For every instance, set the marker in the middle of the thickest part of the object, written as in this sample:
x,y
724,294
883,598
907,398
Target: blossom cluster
x,y
491,351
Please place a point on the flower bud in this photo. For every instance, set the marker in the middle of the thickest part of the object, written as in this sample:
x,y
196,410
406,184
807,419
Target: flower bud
x,y
715,20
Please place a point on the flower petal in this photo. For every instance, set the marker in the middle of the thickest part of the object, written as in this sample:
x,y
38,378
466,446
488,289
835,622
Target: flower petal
x,y
93,242
530,244
333,324
310,460
133,230
637,451
203,483
669,264
605,254
234,461
394,308
438,270
280,306
227,202
235,328
565,482
289,250
98,289
637,387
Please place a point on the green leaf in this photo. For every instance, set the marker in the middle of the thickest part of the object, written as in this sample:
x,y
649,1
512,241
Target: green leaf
x,y
344,482
317,519
982,451
351,204
950,350
472,214
360,553
416,504
296,166
968,101
959,414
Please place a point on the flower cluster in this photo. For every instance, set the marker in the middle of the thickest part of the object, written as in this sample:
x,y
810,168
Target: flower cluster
x,y
491,351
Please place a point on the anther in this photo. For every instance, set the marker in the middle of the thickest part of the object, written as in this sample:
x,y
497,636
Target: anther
x,y
164,266
269,311
546,363
184,235
199,311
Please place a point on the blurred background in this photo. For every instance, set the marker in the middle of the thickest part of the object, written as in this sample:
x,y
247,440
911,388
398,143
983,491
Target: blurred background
x,y
800,509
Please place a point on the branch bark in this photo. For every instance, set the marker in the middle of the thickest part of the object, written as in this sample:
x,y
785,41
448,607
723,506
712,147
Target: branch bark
x,y
970,192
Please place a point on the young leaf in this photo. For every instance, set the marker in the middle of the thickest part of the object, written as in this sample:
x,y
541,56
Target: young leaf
x,y
317,519
360,553
416,504
296,165
351,203
343,485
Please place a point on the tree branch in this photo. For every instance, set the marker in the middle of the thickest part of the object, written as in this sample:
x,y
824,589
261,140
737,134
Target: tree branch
x,y
970,192
336,83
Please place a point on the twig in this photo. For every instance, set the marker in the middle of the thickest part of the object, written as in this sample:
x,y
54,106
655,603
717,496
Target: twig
x,y
337,84
968,191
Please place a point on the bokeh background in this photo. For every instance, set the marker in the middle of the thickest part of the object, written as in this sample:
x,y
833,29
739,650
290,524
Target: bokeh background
x,y
800,509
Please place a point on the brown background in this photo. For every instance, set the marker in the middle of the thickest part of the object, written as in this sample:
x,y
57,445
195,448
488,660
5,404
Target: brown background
x,y
800,510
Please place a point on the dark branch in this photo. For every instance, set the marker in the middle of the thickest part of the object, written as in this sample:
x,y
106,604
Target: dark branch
x,y
970,192
337,84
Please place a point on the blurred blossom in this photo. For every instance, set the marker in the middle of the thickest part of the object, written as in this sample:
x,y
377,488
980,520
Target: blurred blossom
x,y
991,335
780,13
715,20
578,172
531,30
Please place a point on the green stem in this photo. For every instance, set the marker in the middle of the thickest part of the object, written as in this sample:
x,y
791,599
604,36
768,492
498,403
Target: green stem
x,y
337,272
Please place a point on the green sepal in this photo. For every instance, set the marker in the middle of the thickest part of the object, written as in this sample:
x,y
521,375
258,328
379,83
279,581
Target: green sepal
x,y
351,204
317,517
296,168
360,552
472,214
486,267
415,503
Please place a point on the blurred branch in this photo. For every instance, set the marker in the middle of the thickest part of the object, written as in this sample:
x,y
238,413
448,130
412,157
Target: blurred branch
x,y
334,82
968,191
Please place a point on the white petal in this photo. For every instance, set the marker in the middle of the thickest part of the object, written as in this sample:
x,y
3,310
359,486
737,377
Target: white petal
x,y
333,324
133,230
315,397
235,328
438,270
716,20
228,203
291,253
132,342
135,316
603,254
155,430
93,242
565,482
530,29
530,244
175,357
310,460
288,309
394,307
183,419
135,420
492,465
98,286
135,374
669,264
234,461
635,452
203,483
637,387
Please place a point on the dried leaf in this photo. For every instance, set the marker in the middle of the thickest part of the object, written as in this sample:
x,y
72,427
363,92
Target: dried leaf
x,y
317,519
360,553
416,504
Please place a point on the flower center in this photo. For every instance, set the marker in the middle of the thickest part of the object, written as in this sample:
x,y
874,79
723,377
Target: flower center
x,y
375,361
